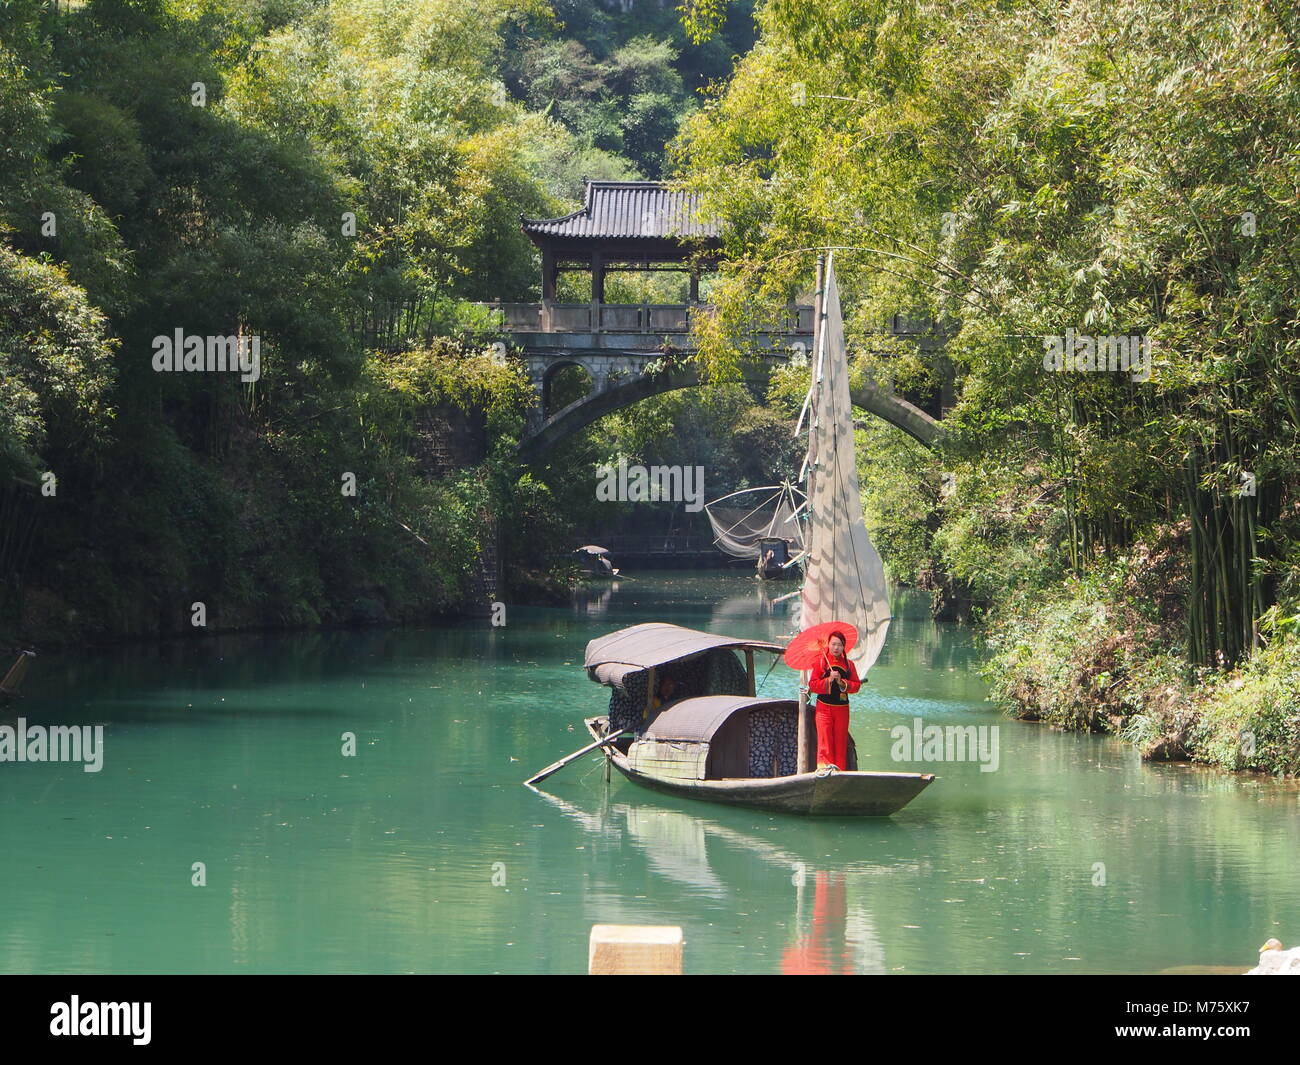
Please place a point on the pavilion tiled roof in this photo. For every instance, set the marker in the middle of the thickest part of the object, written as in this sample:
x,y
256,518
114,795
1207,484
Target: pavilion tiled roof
x,y
629,209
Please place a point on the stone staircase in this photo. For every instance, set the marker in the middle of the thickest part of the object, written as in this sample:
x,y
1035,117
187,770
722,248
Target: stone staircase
x,y
487,576
431,447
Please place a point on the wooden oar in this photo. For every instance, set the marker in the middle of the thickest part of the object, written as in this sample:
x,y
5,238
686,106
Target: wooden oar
x,y
13,680
555,767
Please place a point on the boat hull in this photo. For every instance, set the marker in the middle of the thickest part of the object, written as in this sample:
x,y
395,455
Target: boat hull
x,y
837,794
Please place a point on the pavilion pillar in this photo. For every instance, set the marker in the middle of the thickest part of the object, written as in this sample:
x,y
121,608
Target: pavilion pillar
x,y
597,288
548,285
695,287
548,275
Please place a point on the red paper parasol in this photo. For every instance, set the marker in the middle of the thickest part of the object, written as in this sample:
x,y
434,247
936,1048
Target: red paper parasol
x,y
806,648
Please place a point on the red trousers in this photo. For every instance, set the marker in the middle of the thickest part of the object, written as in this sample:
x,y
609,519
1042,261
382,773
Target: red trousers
x,y
832,735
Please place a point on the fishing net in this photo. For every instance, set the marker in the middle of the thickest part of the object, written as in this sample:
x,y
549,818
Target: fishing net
x,y
753,515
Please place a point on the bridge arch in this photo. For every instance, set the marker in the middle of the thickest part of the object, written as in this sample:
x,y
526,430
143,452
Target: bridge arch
x,y
555,370
886,405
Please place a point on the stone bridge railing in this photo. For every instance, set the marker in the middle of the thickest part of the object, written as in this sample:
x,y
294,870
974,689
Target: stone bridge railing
x,y
623,318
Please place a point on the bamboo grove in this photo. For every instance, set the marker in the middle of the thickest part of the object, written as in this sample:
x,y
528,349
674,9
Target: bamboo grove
x,y
1014,170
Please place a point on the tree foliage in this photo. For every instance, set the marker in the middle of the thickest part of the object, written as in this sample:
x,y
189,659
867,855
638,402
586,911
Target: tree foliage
x,y
1012,172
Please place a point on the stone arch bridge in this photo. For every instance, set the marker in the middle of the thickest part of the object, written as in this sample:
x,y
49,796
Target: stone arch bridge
x,y
625,359
643,227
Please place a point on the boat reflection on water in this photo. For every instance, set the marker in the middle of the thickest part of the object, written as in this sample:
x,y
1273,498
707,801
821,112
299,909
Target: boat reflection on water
x,y
594,599
773,609
675,845
830,930
765,602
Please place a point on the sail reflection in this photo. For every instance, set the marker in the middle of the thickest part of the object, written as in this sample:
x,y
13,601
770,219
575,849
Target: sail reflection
x,y
769,611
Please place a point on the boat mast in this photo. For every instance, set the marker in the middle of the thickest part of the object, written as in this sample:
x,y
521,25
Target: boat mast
x,y
818,328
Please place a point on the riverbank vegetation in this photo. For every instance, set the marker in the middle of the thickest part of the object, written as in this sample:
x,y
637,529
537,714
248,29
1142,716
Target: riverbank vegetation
x,y
1044,183
327,179
336,179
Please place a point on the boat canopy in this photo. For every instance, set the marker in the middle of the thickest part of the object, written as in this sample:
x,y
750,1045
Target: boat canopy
x,y
698,720
611,658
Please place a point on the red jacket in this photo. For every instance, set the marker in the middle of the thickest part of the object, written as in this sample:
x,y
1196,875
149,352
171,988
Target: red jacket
x,y
819,681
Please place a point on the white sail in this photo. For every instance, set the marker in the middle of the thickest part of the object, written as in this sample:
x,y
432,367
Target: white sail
x,y
844,579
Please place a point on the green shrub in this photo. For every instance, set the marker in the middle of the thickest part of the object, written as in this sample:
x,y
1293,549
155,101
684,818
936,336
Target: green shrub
x,y
1250,718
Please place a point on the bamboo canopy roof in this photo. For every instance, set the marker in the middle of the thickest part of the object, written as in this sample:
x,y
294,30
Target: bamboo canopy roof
x,y
698,720
611,658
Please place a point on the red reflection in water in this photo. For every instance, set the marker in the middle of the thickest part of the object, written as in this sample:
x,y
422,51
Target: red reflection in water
x,y
815,953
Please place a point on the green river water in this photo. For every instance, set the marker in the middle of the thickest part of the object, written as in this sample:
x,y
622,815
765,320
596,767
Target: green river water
x,y
423,853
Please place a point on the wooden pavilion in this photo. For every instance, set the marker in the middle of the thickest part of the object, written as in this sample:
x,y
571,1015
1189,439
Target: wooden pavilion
x,y
626,225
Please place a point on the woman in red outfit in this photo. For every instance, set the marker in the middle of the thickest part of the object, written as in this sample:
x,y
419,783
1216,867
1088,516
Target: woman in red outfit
x,y
833,679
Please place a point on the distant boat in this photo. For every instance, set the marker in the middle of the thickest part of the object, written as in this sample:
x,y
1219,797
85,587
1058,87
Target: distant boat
x,y
762,524
595,560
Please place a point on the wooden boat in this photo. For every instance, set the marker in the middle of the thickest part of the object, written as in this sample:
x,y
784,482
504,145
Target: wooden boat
x,y
761,524
705,745
707,735
848,794
774,560
596,563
